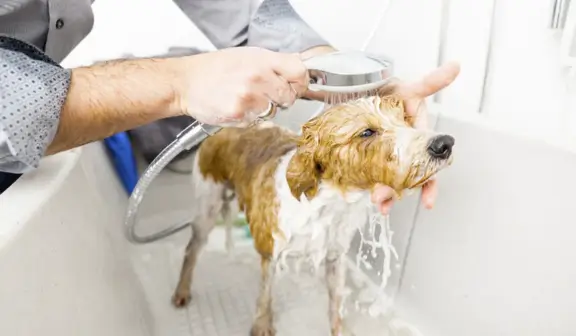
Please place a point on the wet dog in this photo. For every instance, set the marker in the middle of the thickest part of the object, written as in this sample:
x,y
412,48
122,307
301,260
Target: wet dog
x,y
303,195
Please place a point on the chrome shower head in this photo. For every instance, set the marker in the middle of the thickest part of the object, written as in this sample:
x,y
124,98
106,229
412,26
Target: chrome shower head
x,y
348,72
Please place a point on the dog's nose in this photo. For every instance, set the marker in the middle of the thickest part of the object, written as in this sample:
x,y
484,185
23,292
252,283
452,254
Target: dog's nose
x,y
441,146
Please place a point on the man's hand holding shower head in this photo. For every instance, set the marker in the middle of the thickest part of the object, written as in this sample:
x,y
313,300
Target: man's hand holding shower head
x,y
217,88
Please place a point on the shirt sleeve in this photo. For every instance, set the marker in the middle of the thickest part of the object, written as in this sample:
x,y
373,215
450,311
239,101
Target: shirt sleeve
x,y
32,91
277,26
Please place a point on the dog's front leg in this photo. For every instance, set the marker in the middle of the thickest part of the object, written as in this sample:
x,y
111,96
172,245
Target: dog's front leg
x,y
335,277
263,322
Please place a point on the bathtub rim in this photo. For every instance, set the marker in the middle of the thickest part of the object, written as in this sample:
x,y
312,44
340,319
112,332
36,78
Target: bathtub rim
x,y
33,190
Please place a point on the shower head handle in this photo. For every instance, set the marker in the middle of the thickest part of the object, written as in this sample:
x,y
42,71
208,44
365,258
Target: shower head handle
x,y
348,72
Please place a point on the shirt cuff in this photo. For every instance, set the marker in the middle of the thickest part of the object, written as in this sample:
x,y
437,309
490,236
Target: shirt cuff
x,y
33,89
276,26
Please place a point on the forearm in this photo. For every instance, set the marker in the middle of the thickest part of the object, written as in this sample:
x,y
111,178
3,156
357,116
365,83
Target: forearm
x,y
116,96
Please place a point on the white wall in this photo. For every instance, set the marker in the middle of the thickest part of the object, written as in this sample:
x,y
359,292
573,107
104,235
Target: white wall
x,y
411,37
407,35
527,84
467,41
506,41
140,27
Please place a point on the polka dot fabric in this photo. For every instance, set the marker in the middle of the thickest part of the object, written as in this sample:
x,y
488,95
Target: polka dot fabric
x,y
32,91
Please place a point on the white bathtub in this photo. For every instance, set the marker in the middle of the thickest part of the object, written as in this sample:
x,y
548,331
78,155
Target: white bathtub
x,y
495,257
64,265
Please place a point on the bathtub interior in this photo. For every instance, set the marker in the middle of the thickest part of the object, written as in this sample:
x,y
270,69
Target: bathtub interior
x,y
66,269
495,256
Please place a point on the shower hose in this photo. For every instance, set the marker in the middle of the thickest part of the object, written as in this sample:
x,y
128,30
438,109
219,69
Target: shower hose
x,y
193,135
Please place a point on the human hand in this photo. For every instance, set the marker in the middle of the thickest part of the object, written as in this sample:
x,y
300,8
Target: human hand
x,y
236,85
414,95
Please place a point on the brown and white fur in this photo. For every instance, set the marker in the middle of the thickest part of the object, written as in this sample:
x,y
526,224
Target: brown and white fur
x,y
303,195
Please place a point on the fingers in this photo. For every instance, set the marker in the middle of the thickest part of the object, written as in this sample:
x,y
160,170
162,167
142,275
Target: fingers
x,y
415,93
429,193
433,82
315,95
383,197
386,207
272,78
381,193
278,90
417,111
292,69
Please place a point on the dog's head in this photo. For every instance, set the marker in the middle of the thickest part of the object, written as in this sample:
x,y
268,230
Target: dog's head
x,y
361,143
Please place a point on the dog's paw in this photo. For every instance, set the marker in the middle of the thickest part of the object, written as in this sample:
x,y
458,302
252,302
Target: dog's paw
x,y
181,300
262,327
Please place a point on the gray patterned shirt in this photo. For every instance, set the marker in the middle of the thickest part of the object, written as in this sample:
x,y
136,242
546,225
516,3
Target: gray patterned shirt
x,y
33,86
32,91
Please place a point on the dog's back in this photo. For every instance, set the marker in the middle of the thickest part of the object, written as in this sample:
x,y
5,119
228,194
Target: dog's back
x,y
242,160
249,149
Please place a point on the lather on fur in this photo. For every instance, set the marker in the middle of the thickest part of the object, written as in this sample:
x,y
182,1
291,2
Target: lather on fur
x,y
303,195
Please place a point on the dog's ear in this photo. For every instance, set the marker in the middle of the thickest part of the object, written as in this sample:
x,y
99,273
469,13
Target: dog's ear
x,y
303,173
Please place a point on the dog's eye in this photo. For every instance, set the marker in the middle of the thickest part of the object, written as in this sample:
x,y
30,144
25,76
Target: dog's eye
x,y
367,133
